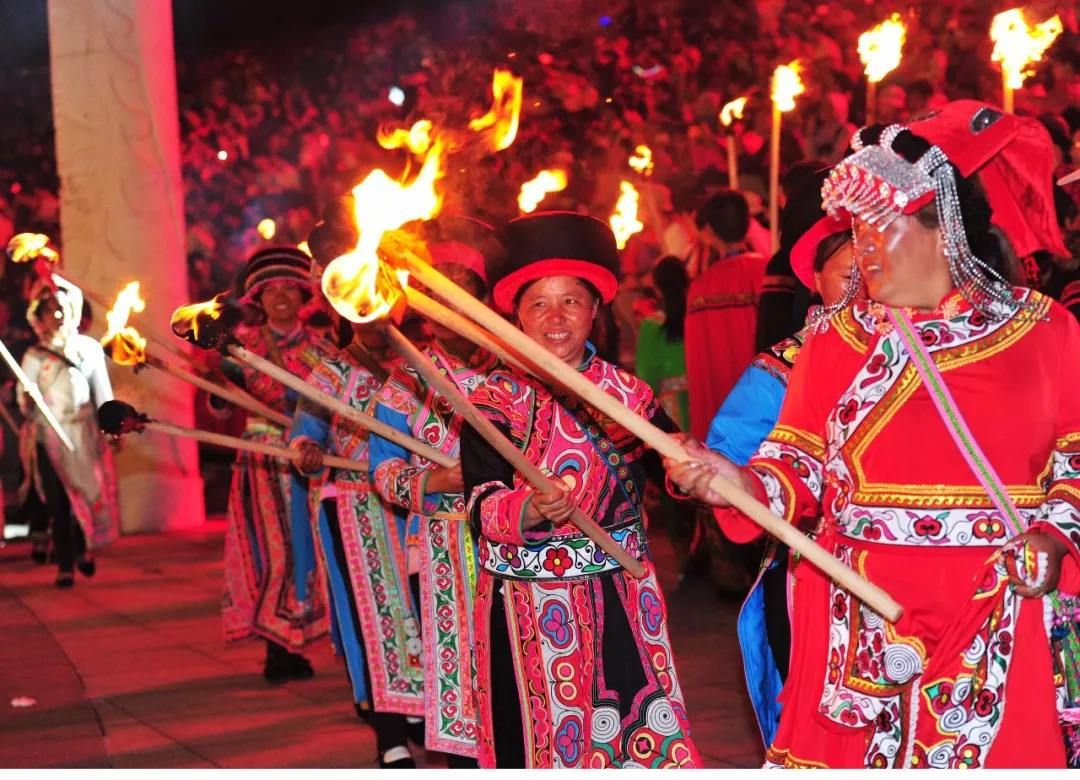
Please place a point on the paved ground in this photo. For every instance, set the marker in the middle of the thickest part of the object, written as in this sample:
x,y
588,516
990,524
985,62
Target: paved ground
x,y
129,670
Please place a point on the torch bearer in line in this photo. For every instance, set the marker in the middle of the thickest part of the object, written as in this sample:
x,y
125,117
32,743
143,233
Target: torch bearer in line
x,y
542,363
728,114
1017,45
361,288
445,387
880,50
209,325
29,247
786,85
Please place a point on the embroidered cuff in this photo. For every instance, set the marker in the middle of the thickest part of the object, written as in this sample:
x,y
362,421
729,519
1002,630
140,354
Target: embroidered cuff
x,y
1061,517
502,515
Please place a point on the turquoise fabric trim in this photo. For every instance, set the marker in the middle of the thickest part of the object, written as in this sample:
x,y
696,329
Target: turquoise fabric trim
x,y
747,416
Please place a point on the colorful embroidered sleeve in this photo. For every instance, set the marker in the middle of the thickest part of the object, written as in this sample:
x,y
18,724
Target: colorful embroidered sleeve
x,y
789,464
1061,510
398,481
496,498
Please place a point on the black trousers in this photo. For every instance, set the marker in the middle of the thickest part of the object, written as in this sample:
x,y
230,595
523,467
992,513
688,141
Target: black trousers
x,y
68,538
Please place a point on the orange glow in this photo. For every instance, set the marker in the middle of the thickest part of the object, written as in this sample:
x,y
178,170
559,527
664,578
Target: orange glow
x,y
624,221
1017,44
881,47
417,139
641,160
357,285
786,86
187,317
500,123
535,190
24,247
125,345
732,111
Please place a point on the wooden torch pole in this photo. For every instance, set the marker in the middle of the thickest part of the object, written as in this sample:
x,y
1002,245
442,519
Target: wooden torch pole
x,y
556,371
448,390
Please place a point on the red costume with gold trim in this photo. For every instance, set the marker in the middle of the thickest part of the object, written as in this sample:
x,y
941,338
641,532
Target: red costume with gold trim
x,y
966,678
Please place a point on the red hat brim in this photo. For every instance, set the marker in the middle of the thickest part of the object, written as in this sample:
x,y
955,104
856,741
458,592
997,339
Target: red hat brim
x,y
805,249
506,289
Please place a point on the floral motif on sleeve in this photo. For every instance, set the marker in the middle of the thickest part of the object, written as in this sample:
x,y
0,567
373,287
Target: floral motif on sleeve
x,y
1061,510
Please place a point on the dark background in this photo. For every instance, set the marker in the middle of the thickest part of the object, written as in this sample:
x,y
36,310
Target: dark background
x,y
202,24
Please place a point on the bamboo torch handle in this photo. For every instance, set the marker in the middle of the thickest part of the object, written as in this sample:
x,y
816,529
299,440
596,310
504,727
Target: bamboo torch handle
x,y
246,445
460,324
448,390
556,371
240,399
362,419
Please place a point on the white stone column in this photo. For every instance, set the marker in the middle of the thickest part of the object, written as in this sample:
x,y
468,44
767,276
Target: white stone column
x,y
122,218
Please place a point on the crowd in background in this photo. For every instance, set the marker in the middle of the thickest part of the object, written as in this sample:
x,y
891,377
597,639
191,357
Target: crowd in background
x,y
277,129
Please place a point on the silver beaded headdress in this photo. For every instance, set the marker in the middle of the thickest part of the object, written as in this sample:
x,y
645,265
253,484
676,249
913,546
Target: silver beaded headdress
x,y
878,185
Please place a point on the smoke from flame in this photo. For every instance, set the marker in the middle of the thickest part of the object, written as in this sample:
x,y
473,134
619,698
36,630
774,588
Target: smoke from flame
x,y
624,221
125,345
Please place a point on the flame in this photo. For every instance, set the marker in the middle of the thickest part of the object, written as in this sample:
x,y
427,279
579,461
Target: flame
x,y
1017,44
187,317
126,346
881,47
641,160
624,222
417,139
786,86
732,111
267,228
357,285
24,247
303,247
501,122
534,190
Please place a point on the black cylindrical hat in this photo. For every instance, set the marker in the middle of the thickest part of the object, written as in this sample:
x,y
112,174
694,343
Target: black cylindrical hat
x,y
557,243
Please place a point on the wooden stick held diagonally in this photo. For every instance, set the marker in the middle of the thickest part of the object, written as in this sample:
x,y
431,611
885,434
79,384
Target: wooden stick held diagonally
x,y
448,390
243,400
554,370
362,419
34,393
247,445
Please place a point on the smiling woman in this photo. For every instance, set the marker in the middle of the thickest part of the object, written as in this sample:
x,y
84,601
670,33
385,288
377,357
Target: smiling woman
x,y
268,538
873,451
574,664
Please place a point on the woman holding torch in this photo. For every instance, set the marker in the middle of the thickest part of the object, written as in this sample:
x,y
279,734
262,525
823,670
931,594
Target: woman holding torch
x,y
882,433
263,597
574,664
441,549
